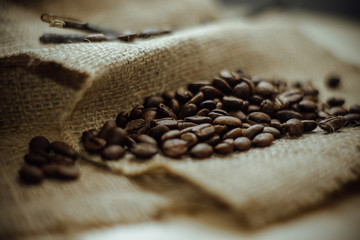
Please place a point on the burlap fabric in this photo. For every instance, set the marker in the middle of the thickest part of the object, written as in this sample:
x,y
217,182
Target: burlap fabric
x,y
60,91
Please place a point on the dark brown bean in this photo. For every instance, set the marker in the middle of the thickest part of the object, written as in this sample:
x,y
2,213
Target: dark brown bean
x,y
194,87
174,148
215,139
61,160
107,125
68,172
174,105
203,112
183,95
267,106
309,115
259,117
112,152
211,92
63,149
135,125
307,105
232,102
355,108
190,138
224,148
117,135
265,89
238,114
204,130
153,101
336,111
275,123
157,131
253,108
332,124
294,127
39,144
309,125
242,143
183,125
198,119
333,81
148,117
256,100
50,170
263,140
229,121
234,133
143,150
31,174
188,110
220,129
231,77
209,104
222,85
292,95
285,115
252,131
242,90
37,159
168,95
197,99
170,134
89,134
201,150
95,144
281,103
352,119
168,122
136,112
276,133
143,138
164,111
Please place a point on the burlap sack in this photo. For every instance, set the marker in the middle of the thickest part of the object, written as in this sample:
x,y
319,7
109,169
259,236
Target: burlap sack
x,y
60,91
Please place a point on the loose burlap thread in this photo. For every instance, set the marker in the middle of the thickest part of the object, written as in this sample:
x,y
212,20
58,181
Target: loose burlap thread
x,y
60,91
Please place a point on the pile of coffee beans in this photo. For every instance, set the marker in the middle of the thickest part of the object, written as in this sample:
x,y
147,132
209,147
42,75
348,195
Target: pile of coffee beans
x,y
48,160
233,112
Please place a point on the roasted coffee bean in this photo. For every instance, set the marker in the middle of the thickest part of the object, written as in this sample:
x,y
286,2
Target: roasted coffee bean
x,y
245,106
217,113
174,105
336,111
222,85
275,123
259,117
267,106
68,172
285,115
309,125
333,81
292,95
37,159
352,119
157,131
265,89
204,130
112,152
323,115
230,77
307,105
276,133
188,110
256,100
294,127
153,101
50,170
263,140
252,131
197,98
335,102
168,95
242,90
183,125
63,149
136,126
281,103
105,128
195,86
168,122
214,140
183,95
170,134
253,108
211,92
248,81
203,112
136,112
234,133
61,160
164,111
201,150
232,102
148,117
174,148
117,135
198,119
220,129
143,138
238,114
224,148
242,143
309,115
190,138
355,108
39,144
229,121
89,134
246,125
143,150
332,124
31,174
95,144
209,104
309,89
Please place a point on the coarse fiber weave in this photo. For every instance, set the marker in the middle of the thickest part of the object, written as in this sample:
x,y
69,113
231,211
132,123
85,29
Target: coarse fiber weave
x,y
61,90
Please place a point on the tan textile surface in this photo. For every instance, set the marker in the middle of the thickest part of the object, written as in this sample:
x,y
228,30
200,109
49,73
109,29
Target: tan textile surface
x,y
60,91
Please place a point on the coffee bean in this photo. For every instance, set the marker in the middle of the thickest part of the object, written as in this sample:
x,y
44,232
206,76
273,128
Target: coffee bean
x,y
112,152
94,145
307,105
209,104
335,101
281,103
242,90
197,99
259,117
194,87
31,174
174,148
229,121
61,160
238,114
224,148
263,140
323,115
309,115
164,111
130,141
50,170
157,131
136,126
267,106
215,139
336,111
143,138
230,77
168,95
285,115
332,124
203,112
168,122
174,105
256,100
333,81
292,95
265,89
198,119
39,144
275,123
136,112
294,127
107,125
143,150
204,130
148,117
190,138
211,92
276,133
63,149
68,172
253,108
183,125
222,85
217,113
117,135
220,129
153,101
234,133
37,159
242,143
252,131
232,102
183,95
201,150
309,125
188,110
352,119
170,134
89,134
355,108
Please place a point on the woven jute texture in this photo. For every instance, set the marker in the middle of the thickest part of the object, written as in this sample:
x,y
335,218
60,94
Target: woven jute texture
x,y
60,91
